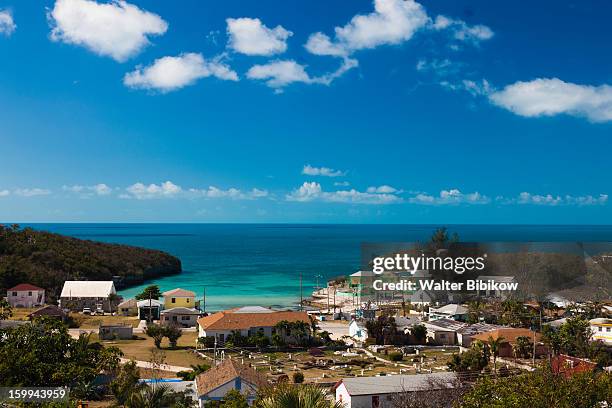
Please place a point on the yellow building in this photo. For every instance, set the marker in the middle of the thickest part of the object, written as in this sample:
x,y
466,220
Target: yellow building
x,y
601,330
179,298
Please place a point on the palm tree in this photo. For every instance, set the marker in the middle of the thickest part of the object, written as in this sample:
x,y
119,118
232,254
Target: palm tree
x,y
158,396
494,346
291,396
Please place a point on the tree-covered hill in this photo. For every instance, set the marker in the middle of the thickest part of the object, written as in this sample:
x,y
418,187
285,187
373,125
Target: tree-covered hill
x,y
47,260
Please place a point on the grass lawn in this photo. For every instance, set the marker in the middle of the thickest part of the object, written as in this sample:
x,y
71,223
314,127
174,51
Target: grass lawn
x,y
21,313
93,322
141,349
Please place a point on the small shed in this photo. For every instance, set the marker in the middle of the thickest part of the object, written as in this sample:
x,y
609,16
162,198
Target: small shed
x,y
128,308
115,332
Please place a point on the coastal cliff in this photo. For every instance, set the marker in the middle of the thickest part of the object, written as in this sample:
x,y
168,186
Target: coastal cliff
x,y
47,260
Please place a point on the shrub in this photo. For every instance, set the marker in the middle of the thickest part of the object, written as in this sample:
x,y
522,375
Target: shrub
x,y
298,377
396,356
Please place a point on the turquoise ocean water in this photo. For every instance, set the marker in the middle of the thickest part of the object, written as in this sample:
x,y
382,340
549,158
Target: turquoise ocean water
x,y
260,264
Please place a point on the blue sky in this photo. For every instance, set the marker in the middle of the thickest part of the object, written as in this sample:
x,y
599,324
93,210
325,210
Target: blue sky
x,y
348,111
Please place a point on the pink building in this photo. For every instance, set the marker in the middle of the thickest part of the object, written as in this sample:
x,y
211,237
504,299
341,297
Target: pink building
x,y
26,295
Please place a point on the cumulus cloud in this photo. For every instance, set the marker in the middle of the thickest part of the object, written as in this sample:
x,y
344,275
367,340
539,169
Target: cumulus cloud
x,y
7,25
251,37
552,96
452,196
322,171
31,192
382,189
141,191
391,22
232,193
117,29
462,31
171,73
89,191
312,191
280,73
4,193
168,189
549,199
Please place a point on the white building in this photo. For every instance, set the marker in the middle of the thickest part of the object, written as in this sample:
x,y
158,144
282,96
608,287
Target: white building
x,y
77,295
379,392
443,332
26,295
179,316
358,331
601,330
452,311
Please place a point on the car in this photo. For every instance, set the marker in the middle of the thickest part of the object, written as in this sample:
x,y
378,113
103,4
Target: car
x,y
87,311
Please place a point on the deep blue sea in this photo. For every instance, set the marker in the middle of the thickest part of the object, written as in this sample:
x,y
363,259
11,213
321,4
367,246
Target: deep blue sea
x,y
260,264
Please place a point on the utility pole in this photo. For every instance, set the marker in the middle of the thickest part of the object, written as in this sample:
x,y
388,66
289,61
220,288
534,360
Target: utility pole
x,y
204,301
301,293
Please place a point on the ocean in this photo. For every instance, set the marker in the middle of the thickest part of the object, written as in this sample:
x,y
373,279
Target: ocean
x,y
261,264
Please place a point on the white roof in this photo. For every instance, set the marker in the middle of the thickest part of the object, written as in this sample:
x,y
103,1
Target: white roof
x,y
181,310
397,383
252,309
145,303
451,309
87,289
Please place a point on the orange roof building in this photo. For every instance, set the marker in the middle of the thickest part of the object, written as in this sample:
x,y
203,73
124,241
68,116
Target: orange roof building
x,y
509,336
247,320
231,374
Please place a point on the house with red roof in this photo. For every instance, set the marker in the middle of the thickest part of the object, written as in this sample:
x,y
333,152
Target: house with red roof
x,y
26,295
567,365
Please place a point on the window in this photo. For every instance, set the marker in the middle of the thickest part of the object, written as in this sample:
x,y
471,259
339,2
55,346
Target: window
x,y
14,293
600,328
375,401
608,329
173,300
29,293
187,300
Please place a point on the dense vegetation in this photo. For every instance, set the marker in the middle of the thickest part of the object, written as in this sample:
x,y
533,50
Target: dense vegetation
x,y
47,260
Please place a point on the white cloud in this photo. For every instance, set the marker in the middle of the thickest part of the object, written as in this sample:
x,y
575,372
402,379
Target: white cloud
x,y
141,191
116,29
322,171
171,73
89,191
549,199
552,96
31,192
4,193
280,73
452,196
251,37
312,191
168,189
382,189
7,25
462,31
391,22
342,183
232,193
